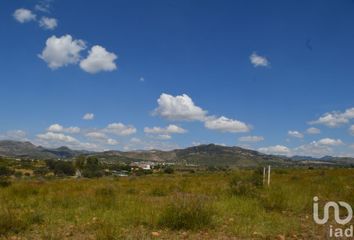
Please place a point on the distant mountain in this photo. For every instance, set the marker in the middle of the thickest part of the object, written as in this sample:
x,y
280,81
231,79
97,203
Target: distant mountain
x,y
206,155
211,154
28,150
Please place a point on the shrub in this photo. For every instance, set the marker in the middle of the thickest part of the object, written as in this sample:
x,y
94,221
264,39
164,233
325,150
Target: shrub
x,y
64,168
187,212
18,174
5,171
42,171
242,184
275,199
4,183
169,170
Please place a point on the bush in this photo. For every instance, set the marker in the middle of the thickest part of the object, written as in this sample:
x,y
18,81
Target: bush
x,y
92,173
42,171
275,199
246,185
4,183
64,168
5,171
92,168
18,174
169,170
187,212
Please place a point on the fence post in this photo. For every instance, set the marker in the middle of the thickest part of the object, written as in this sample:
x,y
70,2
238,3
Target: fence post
x,y
268,175
264,175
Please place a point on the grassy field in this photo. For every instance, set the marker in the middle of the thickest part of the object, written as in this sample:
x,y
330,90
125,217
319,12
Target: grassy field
x,y
202,205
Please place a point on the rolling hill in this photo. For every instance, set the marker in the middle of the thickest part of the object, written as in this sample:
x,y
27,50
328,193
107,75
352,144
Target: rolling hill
x,y
206,155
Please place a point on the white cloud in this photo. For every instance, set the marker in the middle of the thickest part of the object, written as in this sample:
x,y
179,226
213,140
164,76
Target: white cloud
x,y
59,128
251,139
259,61
277,150
23,15
295,134
17,135
351,129
43,6
62,51
318,148
101,137
111,141
225,124
58,137
98,60
330,142
179,108
335,119
88,116
170,129
48,23
96,135
313,149
313,130
163,137
120,129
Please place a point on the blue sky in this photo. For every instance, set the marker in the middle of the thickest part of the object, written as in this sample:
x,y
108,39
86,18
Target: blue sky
x,y
169,74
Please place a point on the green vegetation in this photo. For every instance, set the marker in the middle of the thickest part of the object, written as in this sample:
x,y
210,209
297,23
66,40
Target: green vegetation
x,y
201,205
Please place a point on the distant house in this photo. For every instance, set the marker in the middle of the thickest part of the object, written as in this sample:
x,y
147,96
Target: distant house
x,y
142,165
121,173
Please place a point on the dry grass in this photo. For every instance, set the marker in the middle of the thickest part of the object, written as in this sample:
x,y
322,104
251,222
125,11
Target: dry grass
x,y
174,206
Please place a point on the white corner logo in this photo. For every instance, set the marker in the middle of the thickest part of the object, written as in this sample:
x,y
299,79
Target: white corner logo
x,y
336,209
333,231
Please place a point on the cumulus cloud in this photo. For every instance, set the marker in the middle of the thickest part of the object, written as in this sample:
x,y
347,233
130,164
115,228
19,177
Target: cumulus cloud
x,y
48,23
43,6
259,61
335,118
330,142
23,15
62,51
59,128
101,137
120,129
224,124
313,130
163,137
17,135
313,149
170,129
277,150
295,134
179,107
58,137
111,141
88,116
96,135
251,139
99,60
351,129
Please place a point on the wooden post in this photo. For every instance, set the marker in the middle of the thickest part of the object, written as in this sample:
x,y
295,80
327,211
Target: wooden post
x,y
268,175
